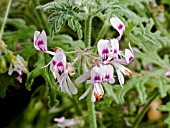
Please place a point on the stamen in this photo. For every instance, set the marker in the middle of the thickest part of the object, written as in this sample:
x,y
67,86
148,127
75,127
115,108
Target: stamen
x,y
128,73
55,49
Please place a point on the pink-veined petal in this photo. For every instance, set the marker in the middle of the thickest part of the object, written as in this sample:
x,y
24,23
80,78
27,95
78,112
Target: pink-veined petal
x,y
40,41
96,75
128,56
115,48
118,25
103,48
60,60
71,86
36,34
86,92
83,77
107,73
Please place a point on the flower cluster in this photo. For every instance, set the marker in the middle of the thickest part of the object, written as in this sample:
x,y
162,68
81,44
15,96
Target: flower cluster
x,y
58,65
110,56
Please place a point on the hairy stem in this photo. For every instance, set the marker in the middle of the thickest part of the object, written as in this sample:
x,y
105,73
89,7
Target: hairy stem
x,y
42,17
88,24
90,105
145,109
5,18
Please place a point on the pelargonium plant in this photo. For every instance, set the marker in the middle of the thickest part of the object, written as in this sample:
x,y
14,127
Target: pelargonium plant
x,y
110,57
81,53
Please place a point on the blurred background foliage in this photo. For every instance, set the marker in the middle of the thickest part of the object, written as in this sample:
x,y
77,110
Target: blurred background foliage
x,y
144,99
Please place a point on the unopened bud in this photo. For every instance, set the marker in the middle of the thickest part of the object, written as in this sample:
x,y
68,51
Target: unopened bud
x,y
2,43
3,67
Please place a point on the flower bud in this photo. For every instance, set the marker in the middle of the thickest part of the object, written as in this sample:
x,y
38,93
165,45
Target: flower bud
x,y
3,67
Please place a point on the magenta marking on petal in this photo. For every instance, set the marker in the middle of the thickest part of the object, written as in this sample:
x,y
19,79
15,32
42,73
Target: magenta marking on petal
x,y
115,51
120,26
131,58
105,53
41,45
97,79
60,67
107,76
53,62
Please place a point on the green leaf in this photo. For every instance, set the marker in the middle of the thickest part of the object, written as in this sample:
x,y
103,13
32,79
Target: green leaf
x,y
23,32
110,92
7,80
164,108
126,87
141,91
65,42
32,75
28,50
163,87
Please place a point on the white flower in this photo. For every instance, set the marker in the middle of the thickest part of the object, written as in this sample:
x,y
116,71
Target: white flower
x,y
60,70
118,25
95,82
115,57
18,67
40,42
104,49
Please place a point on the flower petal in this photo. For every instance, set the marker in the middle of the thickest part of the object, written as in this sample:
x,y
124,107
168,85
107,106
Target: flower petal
x,y
40,41
123,69
107,73
118,25
103,48
115,48
71,86
128,56
65,87
86,92
36,35
96,75
93,98
120,77
60,60
83,77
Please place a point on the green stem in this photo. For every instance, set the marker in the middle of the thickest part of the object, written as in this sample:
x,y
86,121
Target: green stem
x,y
145,109
102,32
90,105
42,17
88,23
5,18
